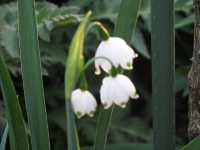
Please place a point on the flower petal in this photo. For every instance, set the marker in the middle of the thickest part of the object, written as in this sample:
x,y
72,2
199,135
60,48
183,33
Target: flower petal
x,y
117,90
106,92
117,51
127,85
83,102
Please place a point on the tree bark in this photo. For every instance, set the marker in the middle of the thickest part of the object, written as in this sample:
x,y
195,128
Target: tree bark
x,y
194,79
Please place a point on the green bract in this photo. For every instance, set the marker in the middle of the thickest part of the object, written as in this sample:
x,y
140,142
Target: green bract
x,y
74,66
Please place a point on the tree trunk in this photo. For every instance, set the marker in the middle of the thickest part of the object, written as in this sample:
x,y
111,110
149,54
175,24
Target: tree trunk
x,y
194,80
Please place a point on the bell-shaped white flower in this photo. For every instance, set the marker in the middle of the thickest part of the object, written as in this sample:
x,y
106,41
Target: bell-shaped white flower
x,y
117,90
117,51
83,103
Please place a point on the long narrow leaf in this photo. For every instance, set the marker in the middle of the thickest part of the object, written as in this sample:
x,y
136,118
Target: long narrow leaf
x,y
103,123
73,69
125,146
4,138
163,70
193,145
126,24
31,74
127,18
17,129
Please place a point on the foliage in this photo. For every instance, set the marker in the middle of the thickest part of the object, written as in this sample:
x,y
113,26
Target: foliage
x,y
4,138
17,128
55,28
193,145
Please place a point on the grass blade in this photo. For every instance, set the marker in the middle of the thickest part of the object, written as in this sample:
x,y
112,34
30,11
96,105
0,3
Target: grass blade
x,y
17,129
163,70
127,19
74,66
103,123
4,138
32,77
125,146
193,145
125,26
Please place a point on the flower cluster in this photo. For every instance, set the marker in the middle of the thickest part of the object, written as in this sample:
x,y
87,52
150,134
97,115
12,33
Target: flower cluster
x,y
111,55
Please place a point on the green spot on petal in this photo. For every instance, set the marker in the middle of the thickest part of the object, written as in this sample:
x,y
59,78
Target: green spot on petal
x,y
91,114
129,65
78,114
105,105
123,105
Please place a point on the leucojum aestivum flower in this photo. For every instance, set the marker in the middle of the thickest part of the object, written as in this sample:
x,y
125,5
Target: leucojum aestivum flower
x,y
83,102
112,55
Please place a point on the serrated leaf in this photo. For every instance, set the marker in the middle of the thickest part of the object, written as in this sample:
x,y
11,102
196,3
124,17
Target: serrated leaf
x,y
9,40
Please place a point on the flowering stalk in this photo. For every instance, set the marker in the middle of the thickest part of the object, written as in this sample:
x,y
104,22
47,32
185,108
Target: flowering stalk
x,y
91,61
116,88
102,129
73,69
102,30
125,25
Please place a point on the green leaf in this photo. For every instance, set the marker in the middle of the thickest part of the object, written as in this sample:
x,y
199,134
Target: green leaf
x,y
17,129
126,146
125,26
32,76
189,20
53,33
183,5
138,42
4,138
163,73
127,19
102,130
74,66
193,145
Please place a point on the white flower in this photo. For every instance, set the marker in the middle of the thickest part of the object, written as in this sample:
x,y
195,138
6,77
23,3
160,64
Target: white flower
x,y
117,51
83,102
117,90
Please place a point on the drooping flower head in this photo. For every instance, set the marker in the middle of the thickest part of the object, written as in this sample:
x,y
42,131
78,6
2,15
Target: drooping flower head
x,y
117,51
83,103
117,90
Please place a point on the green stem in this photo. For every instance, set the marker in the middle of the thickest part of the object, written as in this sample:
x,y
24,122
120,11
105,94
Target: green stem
x,y
102,30
82,82
104,120
163,70
126,24
73,141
